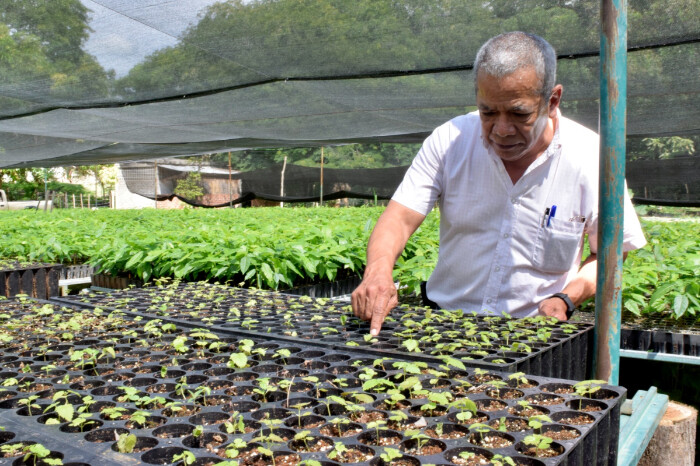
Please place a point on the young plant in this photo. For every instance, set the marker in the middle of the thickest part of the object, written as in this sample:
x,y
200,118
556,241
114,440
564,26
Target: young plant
x,y
467,409
29,403
236,424
234,448
187,458
126,443
535,422
540,442
390,454
519,378
481,429
36,453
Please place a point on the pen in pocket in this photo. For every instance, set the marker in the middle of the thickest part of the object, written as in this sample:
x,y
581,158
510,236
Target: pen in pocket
x,y
544,217
552,211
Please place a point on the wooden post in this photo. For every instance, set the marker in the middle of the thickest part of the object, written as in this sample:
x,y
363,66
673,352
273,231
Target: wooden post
x,y
74,201
81,200
65,198
673,442
89,201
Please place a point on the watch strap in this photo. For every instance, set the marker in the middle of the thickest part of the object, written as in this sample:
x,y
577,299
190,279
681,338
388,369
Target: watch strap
x,y
570,308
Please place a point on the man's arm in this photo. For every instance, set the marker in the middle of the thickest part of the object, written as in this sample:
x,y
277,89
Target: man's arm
x,y
376,295
581,288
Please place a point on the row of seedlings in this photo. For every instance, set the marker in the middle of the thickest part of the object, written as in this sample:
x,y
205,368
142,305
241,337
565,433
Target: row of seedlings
x,y
538,345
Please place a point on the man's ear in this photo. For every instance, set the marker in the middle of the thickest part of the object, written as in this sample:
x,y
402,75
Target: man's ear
x,y
555,100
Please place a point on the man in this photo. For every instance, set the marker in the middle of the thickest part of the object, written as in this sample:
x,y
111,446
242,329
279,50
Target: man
x,y
517,187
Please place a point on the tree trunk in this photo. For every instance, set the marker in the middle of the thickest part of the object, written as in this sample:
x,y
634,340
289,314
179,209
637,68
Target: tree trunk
x,y
673,442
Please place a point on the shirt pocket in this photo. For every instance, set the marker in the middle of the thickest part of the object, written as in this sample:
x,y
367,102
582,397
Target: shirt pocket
x,y
557,245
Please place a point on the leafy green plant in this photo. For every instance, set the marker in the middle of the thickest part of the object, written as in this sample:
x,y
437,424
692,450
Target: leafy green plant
x,y
540,442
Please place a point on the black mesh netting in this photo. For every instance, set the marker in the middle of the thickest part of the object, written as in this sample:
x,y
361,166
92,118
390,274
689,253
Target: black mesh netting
x,y
99,81
277,182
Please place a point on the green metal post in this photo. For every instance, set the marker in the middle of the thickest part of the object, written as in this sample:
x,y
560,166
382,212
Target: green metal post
x,y
613,110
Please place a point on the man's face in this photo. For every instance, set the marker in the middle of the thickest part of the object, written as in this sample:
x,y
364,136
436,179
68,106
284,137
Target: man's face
x,y
514,116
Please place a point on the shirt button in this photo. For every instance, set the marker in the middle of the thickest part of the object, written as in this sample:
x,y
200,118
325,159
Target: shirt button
x,y
505,235
498,269
514,200
488,301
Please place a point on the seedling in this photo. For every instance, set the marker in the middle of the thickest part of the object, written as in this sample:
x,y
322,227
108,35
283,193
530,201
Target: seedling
x,y
304,436
467,409
536,421
339,450
236,424
500,460
519,378
481,429
36,453
390,454
420,438
29,403
377,425
540,442
234,448
187,458
587,388
126,443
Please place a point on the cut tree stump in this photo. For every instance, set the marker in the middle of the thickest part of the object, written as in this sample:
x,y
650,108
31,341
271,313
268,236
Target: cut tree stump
x,y
673,442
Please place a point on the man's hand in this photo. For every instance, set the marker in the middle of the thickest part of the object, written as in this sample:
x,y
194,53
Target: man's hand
x,y
373,300
553,307
376,295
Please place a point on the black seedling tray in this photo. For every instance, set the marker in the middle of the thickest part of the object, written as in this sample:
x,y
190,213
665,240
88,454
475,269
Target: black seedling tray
x,y
48,349
659,333
535,346
34,279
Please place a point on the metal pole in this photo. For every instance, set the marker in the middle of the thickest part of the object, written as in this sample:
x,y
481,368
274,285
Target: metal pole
x,y
155,185
613,111
230,182
46,189
321,198
284,168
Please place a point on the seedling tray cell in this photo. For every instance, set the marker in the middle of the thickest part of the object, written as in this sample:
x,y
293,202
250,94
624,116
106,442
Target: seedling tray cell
x,y
537,346
199,391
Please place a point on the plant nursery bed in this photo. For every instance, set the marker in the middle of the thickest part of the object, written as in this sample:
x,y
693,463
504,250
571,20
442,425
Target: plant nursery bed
x,y
657,334
34,279
538,346
87,383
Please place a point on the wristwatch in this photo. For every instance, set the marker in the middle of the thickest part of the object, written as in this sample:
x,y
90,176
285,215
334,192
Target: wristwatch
x,y
570,308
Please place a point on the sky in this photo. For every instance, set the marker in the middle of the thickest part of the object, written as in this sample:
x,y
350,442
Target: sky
x,y
126,31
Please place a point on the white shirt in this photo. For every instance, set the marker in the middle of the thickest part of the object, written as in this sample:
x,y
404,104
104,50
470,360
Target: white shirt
x,y
496,251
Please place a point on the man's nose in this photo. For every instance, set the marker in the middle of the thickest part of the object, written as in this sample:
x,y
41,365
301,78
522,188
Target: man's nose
x,y
503,126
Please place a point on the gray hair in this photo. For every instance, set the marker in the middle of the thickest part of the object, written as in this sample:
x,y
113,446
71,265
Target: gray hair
x,y
511,51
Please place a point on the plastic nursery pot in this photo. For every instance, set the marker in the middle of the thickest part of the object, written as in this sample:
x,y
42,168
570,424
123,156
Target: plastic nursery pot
x,y
384,438
162,455
404,460
422,447
31,461
142,444
551,451
105,435
351,454
468,456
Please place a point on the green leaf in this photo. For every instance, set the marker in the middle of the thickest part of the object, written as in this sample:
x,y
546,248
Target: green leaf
x,y
65,412
680,305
